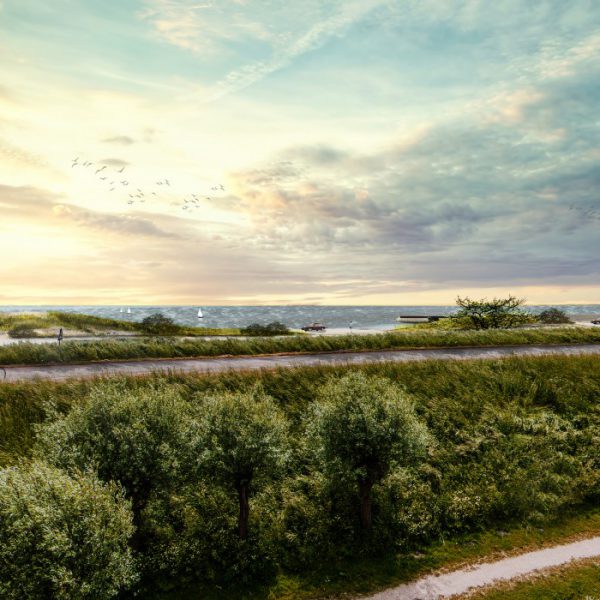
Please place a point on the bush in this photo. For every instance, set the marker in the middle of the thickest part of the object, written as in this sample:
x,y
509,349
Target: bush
x,y
274,328
159,324
553,316
62,537
22,330
491,314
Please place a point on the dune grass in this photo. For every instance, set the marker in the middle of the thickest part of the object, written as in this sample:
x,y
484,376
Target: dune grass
x,y
96,325
147,348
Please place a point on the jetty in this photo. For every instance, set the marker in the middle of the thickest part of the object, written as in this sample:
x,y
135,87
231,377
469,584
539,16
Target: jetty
x,y
420,318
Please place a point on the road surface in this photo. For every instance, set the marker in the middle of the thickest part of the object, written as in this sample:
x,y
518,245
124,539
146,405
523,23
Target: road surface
x,y
244,363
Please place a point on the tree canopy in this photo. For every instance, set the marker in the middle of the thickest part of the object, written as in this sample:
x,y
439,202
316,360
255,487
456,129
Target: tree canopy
x,y
242,442
62,536
362,426
492,314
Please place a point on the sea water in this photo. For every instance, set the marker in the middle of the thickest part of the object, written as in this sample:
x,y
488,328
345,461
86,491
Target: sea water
x,y
294,316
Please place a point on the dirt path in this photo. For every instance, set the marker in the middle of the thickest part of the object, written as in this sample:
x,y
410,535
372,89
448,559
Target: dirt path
x,y
242,363
434,587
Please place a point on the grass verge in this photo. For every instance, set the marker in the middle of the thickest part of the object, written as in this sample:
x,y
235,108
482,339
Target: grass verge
x,y
579,580
142,348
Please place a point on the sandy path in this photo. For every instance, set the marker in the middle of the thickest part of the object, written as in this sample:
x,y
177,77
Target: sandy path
x,y
433,587
243,363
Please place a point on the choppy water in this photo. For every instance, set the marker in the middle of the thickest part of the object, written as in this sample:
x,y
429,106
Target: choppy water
x,y
367,317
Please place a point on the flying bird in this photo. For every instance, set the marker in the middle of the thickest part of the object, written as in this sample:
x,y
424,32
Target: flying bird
x,y
100,169
121,169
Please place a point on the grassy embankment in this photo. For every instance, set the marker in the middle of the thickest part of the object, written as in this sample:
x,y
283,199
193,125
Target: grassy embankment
x,y
514,451
38,324
577,581
146,348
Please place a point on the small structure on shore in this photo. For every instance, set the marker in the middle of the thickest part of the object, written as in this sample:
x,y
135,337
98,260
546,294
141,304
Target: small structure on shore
x,y
420,318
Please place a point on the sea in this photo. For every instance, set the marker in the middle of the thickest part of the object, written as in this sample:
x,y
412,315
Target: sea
x,y
294,316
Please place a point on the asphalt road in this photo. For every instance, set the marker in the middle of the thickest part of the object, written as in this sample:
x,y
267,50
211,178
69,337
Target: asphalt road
x,y
243,363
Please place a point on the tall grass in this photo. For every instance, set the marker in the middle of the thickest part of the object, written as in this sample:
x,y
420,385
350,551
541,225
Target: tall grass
x,y
142,348
458,390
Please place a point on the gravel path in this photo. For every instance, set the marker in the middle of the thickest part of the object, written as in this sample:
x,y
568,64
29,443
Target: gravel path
x,y
433,587
242,363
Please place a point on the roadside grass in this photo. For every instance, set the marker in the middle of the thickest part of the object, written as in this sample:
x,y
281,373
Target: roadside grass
x,y
567,384
347,579
577,581
161,347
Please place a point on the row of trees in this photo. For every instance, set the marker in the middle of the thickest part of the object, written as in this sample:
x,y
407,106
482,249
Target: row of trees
x,y
97,468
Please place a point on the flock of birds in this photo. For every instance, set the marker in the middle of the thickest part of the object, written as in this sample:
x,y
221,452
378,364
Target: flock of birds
x,y
114,183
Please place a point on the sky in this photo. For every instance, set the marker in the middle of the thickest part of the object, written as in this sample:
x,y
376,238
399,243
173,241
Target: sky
x,y
388,152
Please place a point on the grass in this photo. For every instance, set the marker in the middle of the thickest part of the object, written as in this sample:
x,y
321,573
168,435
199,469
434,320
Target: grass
x,y
576,581
563,383
95,325
146,348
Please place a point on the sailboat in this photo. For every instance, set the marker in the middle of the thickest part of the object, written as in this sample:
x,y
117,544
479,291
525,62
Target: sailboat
x,y
200,315
121,309
128,311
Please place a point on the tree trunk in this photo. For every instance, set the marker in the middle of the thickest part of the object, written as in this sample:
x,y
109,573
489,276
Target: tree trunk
x,y
366,519
244,511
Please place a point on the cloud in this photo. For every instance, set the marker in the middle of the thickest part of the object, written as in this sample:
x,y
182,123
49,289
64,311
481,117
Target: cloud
x,y
39,206
123,140
114,162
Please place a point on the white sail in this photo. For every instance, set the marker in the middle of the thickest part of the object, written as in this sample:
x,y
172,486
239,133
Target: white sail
x,y
128,311
121,309
200,315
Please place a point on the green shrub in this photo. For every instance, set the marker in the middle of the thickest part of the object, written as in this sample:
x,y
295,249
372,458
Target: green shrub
x,y
492,314
159,324
62,537
256,329
553,316
22,330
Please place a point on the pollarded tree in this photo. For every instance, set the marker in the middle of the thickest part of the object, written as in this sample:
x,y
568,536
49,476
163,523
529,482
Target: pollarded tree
x,y
362,426
62,537
140,438
492,314
241,442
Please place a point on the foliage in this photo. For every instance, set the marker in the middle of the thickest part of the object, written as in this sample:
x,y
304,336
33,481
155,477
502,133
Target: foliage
x,y
138,438
515,443
159,324
553,316
242,443
492,314
257,329
62,536
362,427
22,330
72,351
